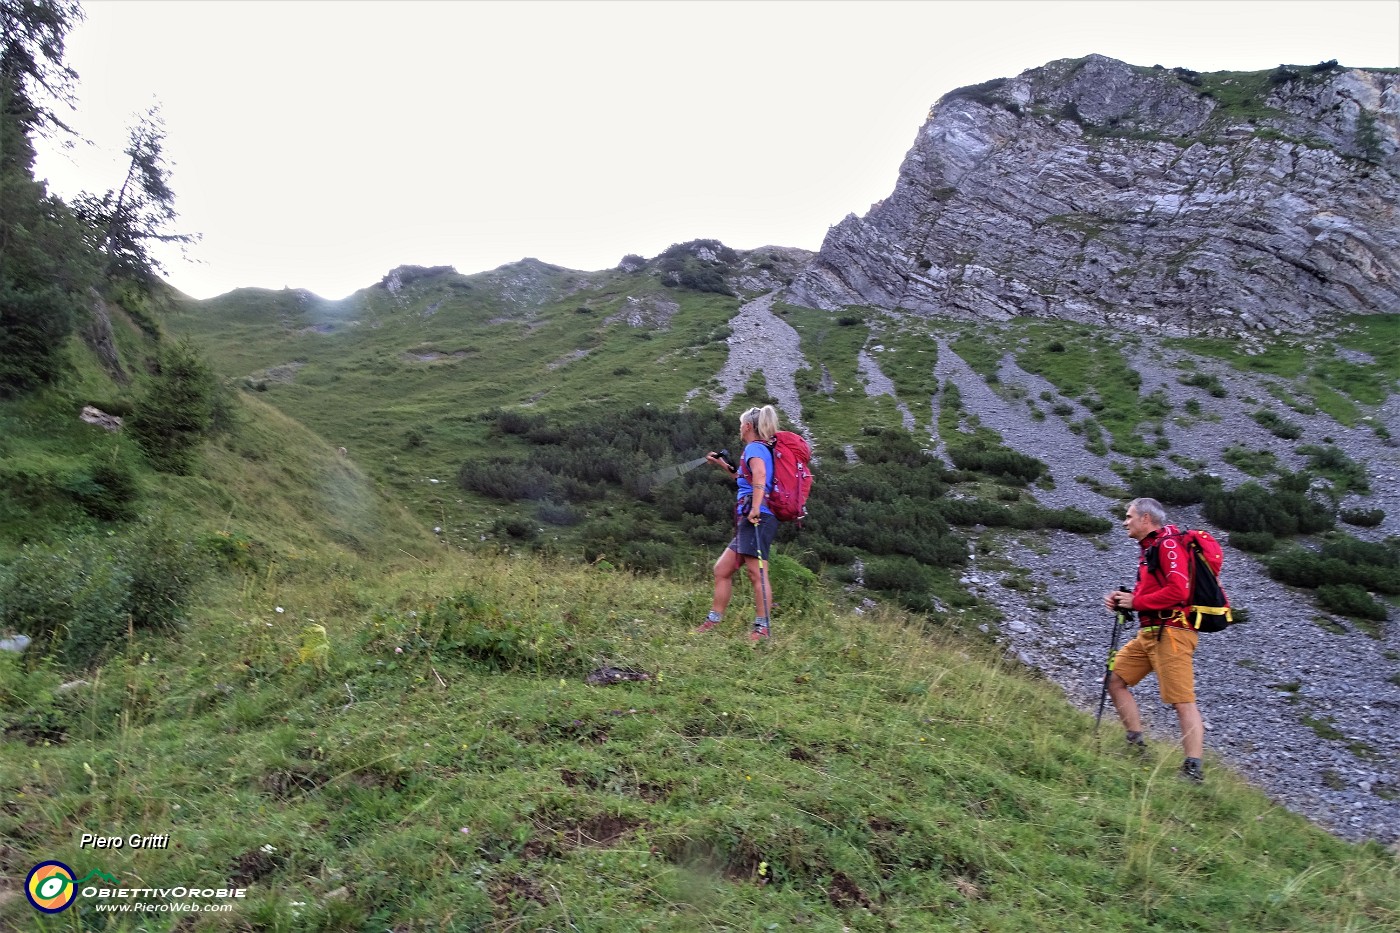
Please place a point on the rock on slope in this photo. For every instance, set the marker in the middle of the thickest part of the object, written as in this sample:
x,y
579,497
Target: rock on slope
x,y
1292,701
1099,191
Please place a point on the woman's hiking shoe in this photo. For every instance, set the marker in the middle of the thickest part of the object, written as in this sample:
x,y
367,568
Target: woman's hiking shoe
x,y
1191,771
704,627
759,633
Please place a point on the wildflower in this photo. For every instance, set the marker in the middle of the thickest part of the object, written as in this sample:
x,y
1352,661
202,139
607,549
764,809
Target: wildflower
x,y
398,651
465,830
280,610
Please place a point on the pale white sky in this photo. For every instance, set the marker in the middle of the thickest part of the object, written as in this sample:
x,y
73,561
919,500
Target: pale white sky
x,y
319,144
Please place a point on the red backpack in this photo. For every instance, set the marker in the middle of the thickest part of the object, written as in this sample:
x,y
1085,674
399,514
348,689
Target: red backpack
x,y
1208,609
792,476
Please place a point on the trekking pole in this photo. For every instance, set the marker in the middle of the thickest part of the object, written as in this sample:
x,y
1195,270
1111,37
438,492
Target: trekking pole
x,y
1120,618
763,576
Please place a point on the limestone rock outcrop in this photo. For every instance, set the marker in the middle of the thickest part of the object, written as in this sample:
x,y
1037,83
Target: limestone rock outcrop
x,y
1095,190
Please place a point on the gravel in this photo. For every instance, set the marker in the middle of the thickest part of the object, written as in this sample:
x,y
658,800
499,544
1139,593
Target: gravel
x,y
1306,712
763,342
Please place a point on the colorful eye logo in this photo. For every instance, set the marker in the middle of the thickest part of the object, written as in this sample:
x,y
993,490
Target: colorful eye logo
x,y
50,887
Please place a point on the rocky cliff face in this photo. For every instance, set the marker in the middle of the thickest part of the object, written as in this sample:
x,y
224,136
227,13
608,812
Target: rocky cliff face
x,y
1100,191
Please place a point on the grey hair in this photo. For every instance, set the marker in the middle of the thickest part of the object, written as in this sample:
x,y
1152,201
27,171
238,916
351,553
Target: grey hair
x,y
1150,509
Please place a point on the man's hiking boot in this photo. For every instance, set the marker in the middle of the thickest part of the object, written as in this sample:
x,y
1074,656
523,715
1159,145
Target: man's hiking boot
x,y
759,633
1191,771
1136,742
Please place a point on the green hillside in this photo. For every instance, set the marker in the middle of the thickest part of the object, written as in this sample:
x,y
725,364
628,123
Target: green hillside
x,y
413,372
371,615
438,762
367,729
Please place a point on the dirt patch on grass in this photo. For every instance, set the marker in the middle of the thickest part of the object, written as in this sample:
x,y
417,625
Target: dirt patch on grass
x,y
291,782
844,893
557,834
253,865
650,791
516,889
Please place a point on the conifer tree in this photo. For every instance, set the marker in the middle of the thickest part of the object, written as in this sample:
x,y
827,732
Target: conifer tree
x,y
45,264
139,213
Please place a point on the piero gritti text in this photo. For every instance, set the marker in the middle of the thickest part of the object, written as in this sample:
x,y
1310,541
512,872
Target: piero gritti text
x,y
134,841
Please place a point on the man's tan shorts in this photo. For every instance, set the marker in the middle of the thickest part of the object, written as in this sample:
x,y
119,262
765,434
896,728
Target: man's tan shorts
x,y
1168,651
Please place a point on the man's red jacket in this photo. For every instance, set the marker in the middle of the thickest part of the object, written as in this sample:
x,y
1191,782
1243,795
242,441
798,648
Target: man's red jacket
x,y
1158,595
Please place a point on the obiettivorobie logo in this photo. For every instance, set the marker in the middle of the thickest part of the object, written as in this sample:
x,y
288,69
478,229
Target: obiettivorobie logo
x,y
51,887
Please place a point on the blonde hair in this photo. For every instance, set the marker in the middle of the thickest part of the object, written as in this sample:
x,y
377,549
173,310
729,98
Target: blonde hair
x,y
764,421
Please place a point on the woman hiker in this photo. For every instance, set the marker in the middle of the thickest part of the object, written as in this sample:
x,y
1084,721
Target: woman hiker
x,y
756,525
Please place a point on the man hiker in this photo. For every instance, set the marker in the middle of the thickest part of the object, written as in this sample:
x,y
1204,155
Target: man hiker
x,y
1165,642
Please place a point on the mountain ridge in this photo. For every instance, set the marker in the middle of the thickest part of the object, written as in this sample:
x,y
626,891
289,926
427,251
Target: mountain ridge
x,y
1093,190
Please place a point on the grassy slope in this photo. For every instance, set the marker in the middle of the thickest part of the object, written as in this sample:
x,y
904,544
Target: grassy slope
x,y
858,773
409,421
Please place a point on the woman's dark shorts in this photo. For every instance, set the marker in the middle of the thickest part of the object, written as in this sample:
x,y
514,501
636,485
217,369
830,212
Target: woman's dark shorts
x,y
755,540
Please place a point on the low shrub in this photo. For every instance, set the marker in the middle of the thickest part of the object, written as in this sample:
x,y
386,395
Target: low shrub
x,y
1350,600
1256,542
1208,381
1156,404
985,93
1363,518
1282,511
557,513
795,588
113,491
1300,567
31,707
469,626
904,577
504,478
1332,462
516,422
1277,425
1355,551
71,598
515,527
1171,490
233,550
1253,462
993,460
1025,515
165,567
176,411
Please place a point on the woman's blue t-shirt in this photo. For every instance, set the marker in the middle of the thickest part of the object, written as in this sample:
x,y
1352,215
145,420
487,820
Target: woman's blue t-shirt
x,y
763,452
